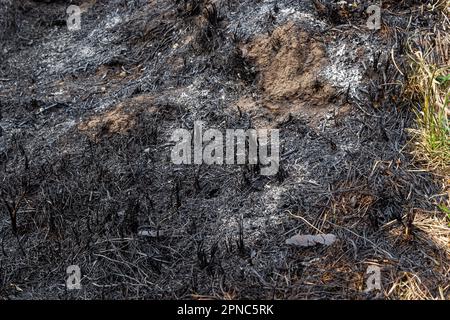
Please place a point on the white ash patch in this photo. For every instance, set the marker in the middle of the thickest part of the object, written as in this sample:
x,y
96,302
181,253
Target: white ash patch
x,y
64,53
189,97
104,105
298,171
253,227
350,146
86,52
249,21
272,199
61,51
341,72
112,21
347,59
254,19
267,214
293,14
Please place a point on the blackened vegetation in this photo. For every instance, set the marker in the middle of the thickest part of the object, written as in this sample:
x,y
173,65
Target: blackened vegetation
x,y
140,227
7,18
241,68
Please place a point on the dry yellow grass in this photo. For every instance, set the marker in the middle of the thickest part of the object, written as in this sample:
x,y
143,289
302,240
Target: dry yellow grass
x,y
428,89
428,86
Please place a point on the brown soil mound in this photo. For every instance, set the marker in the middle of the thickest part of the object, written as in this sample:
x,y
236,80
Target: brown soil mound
x,y
119,120
111,122
290,61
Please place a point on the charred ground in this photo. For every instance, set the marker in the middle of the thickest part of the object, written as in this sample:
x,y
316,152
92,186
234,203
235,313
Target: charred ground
x,y
85,152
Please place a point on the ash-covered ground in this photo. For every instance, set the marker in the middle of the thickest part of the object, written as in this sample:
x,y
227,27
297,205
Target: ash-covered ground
x,y
86,174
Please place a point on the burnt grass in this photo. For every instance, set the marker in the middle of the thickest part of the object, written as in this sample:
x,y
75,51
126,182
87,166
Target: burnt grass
x,y
71,197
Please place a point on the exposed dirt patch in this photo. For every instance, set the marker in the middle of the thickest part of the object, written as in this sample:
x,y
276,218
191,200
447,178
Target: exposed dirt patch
x,y
119,120
111,122
290,61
